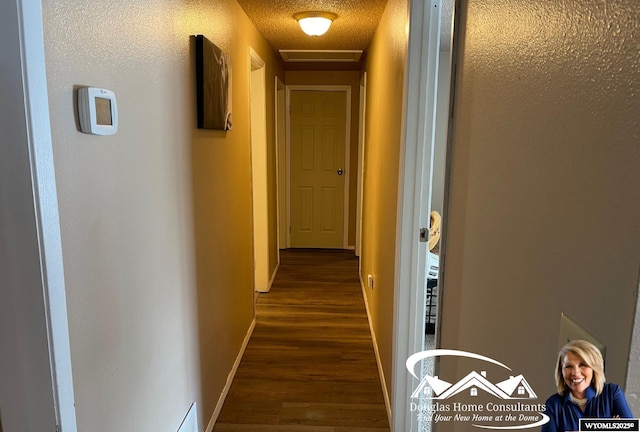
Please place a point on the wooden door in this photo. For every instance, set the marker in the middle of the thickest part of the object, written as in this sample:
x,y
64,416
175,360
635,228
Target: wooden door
x,y
318,128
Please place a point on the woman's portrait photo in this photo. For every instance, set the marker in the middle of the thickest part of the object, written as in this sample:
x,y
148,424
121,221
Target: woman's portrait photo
x,y
582,390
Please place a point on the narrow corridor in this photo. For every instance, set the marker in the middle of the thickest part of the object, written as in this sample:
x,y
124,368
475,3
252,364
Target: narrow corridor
x,y
310,364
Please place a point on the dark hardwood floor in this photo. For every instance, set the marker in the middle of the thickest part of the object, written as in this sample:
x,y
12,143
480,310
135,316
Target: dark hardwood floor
x,y
310,364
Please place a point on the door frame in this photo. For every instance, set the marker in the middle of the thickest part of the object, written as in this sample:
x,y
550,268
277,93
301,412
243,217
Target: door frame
x,y
347,153
28,30
414,203
259,169
361,152
281,176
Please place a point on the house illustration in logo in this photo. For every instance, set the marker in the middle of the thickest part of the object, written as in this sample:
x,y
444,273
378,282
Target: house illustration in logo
x,y
516,387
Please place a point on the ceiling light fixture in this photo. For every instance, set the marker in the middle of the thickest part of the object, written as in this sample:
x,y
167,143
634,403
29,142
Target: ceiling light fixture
x,y
315,23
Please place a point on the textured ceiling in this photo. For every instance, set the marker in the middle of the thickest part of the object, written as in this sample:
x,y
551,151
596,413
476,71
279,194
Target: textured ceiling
x,y
352,29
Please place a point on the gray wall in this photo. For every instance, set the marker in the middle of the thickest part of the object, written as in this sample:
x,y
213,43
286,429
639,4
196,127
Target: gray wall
x,y
26,395
544,209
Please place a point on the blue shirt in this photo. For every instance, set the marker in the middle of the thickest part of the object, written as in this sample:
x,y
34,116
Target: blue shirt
x,y
565,415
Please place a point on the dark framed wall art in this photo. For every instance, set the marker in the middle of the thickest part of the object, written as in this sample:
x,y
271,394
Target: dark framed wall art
x,y
213,86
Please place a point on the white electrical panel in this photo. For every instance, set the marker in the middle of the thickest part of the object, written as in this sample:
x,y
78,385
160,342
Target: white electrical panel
x,y
571,330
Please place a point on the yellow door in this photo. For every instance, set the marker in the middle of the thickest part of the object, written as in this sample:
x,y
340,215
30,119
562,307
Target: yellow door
x,y
318,125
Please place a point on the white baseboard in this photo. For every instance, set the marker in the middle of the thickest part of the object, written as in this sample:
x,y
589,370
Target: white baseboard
x,y
383,382
273,277
232,374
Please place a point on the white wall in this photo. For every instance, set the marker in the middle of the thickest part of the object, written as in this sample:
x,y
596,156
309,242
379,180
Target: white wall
x,y
126,223
155,220
544,211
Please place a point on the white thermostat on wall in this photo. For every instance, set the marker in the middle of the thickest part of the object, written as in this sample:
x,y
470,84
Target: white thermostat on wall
x,y
97,111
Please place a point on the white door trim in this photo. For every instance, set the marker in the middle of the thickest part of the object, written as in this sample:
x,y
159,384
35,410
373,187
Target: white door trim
x,y
281,172
259,193
361,150
414,202
347,153
38,130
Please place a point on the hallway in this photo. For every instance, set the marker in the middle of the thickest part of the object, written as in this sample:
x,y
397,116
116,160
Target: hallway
x,y
310,364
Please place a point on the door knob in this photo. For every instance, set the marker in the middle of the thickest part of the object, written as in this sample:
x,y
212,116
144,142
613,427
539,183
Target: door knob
x,y
340,171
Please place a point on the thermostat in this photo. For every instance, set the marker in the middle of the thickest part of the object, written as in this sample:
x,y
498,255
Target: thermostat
x,y
97,111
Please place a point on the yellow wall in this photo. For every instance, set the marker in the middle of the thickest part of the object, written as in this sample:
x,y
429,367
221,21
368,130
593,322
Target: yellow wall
x,y
385,66
350,78
156,220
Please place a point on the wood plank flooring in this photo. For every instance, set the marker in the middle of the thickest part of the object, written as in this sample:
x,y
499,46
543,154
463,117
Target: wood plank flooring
x,y
310,364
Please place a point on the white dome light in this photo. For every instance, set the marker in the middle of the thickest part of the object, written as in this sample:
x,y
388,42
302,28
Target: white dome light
x,y
315,23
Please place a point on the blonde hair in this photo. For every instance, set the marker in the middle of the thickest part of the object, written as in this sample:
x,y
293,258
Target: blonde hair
x,y
590,355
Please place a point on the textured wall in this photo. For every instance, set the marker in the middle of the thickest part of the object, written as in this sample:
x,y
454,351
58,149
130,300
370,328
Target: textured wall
x,y
544,213
156,220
